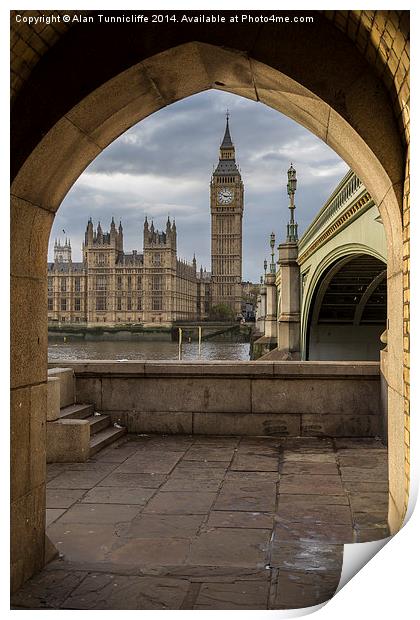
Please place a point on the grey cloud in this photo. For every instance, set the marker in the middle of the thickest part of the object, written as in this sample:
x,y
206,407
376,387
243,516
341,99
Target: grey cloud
x,y
181,143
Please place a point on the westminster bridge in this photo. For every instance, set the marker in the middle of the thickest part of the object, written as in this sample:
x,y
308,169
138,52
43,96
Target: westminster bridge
x,y
334,296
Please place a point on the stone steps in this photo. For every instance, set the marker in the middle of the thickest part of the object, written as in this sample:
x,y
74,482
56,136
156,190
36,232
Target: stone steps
x,y
102,433
77,411
104,438
98,423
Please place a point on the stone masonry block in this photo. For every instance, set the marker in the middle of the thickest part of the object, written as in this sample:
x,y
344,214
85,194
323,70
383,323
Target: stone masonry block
x,y
53,398
319,425
159,422
276,425
183,394
316,396
66,376
68,441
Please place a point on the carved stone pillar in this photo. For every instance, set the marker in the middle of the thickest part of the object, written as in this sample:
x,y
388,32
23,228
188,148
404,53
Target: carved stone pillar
x,y
288,320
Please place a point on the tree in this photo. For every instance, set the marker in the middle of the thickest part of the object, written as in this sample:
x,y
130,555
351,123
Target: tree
x,y
222,312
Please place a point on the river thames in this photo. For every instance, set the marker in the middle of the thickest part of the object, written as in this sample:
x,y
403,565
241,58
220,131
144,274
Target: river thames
x,y
117,350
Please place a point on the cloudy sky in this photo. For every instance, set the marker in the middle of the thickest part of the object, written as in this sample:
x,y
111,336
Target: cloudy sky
x,y
163,166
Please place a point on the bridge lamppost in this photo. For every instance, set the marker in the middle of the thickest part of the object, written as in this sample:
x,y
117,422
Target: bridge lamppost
x,y
272,243
288,316
291,190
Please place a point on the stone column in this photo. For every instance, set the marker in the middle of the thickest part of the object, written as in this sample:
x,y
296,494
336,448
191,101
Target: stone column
x,y
270,328
288,320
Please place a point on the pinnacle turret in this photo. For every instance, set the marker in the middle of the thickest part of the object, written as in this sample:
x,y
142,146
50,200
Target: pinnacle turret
x,y
227,140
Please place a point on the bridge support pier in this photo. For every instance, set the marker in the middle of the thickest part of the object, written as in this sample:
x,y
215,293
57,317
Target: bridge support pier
x,y
270,327
288,320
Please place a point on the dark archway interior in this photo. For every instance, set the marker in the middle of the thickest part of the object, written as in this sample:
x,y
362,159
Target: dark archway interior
x,y
348,311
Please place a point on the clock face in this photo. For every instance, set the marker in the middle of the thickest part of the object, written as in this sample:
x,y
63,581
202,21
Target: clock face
x,y
225,196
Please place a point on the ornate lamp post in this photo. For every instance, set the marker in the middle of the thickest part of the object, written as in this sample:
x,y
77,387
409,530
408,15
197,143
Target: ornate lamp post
x,y
291,190
272,242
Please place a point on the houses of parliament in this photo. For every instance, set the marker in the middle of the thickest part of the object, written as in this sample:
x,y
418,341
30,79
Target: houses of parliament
x,y
154,287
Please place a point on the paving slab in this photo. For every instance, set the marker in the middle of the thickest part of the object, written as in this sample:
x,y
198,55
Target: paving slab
x,y
76,479
146,481
174,502
230,547
306,556
309,500
92,466
106,591
304,467
118,495
370,534
63,498
358,443
308,513
247,496
309,457
237,595
184,464
83,543
252,476
198,473
162,526
216,441
325,485
355,459
115,455
52,514
369,501
191,484
140,552
99,514
159,463
259,520
359,487
321,532
297,589
48,590
371,518
255,462
206,453
363,474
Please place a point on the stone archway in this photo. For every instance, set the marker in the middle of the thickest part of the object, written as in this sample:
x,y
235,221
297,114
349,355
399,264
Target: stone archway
x,y
331,89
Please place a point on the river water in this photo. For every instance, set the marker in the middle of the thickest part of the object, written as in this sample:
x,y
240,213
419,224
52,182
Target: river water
x,y
114,350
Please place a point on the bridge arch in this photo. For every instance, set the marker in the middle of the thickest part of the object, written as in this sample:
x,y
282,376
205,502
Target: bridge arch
x,y
346,312
311,280
75,98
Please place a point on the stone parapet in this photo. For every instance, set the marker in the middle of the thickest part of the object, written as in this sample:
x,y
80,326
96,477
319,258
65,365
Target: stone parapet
x,y
290,398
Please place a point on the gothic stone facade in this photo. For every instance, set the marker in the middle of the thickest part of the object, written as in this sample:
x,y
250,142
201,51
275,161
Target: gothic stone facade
x,y
110,287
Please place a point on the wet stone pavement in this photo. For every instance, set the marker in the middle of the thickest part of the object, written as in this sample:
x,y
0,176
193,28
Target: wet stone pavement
x,y
190,522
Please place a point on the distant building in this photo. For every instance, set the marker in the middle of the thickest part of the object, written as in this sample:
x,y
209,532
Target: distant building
x,y
156,287
110,287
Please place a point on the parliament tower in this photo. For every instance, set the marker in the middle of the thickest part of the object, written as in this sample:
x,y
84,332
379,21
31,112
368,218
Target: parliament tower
x,y
226,205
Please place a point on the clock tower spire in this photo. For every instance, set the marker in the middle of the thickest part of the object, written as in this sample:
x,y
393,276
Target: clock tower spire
x,y
226,206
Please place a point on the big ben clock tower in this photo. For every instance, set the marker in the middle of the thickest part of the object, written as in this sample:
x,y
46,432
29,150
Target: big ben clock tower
x,y
227,206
